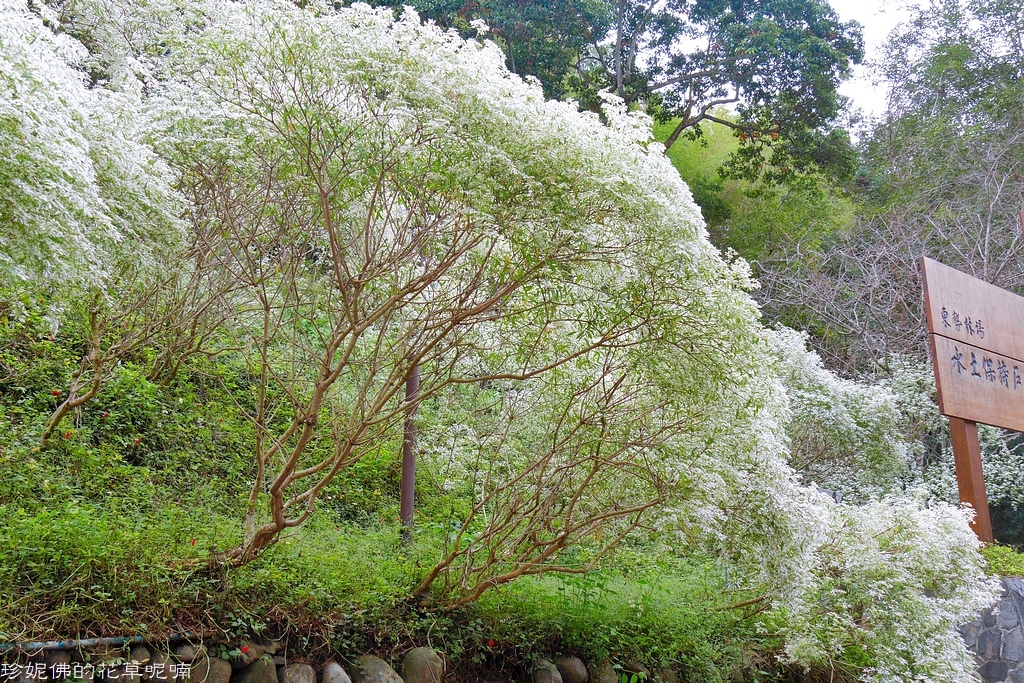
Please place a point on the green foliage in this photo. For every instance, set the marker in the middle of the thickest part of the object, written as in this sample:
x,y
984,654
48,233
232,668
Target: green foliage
x,y
1007,521
790,160
698,161
92,525
540,39
1003,560
780,228
73,566
644,605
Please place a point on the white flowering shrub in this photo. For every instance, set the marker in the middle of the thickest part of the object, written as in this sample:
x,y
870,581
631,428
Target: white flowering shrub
x,y
80,188
846,436
888,578
391,197
889,584
931,454
127,39
871,440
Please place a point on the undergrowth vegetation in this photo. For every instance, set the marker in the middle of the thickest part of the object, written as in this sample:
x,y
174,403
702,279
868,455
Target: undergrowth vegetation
x,y
148,473
1003,560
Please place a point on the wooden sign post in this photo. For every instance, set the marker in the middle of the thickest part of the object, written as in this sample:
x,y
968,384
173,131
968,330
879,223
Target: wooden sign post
x,y
976,333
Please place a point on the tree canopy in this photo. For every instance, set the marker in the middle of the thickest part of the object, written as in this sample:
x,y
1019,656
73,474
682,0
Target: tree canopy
x,y
777,63
80,187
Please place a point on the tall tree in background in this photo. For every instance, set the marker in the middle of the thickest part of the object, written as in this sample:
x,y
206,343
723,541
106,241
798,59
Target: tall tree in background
x,y
942,177
777,63
545,39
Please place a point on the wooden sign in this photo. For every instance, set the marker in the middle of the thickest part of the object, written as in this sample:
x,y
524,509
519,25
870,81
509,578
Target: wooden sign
x,y
978,385
977,341
976,333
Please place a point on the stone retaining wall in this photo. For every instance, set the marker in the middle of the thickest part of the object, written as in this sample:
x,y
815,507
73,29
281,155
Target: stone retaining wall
x,y
255,661
997,637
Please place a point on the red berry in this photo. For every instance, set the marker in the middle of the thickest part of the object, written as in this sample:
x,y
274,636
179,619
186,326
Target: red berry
x,y
245,649
56,392
490,643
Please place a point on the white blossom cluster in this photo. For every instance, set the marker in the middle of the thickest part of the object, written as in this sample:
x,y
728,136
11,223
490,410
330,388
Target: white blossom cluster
x,y
846,436
80,188
930,458
892,580
870,440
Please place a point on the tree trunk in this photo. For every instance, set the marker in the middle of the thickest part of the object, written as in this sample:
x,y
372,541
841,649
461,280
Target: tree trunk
x,y
94,359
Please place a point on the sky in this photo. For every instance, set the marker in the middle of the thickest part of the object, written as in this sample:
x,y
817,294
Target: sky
x,y
878,17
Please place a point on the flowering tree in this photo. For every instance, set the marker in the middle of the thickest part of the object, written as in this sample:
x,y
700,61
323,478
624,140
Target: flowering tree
x,y
881,586
393,198
778,64
89,216
843,432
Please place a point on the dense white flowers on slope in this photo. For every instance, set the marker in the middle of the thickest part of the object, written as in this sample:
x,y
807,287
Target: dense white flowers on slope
x,y
892,580
845,435
577,326
894,573
76,183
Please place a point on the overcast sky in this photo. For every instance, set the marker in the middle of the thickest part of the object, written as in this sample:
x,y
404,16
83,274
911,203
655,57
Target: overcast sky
x,y
878,17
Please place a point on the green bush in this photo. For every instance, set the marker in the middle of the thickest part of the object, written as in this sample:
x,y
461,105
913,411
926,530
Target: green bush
x,y
1004,561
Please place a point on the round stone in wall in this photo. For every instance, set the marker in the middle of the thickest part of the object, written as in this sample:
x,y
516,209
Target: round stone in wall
x,y
334,673
260,671
296,673
572,669
422,665
546,672
371,669
210,670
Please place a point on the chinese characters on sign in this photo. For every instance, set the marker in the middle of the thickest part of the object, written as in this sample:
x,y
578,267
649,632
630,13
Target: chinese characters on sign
x,y
991,369
129,672
977,340
970,326
978,384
